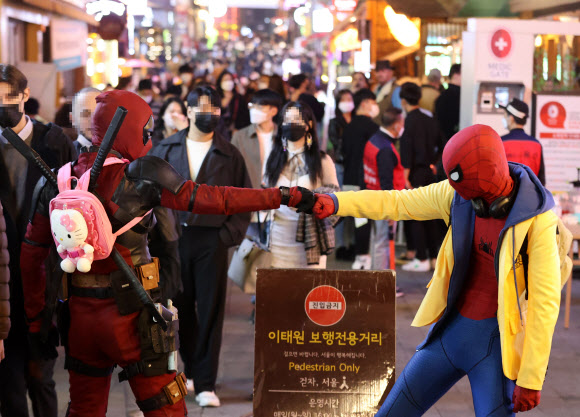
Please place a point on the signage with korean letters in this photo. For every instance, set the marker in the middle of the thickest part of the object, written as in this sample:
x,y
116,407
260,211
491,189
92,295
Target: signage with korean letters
x,y
557,127
325,342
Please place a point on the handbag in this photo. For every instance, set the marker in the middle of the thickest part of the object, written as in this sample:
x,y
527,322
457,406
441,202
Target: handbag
x,y
248,257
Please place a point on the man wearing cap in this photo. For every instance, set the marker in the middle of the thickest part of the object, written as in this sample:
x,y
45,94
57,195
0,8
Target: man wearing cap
x,y
384,88
431,91
519,146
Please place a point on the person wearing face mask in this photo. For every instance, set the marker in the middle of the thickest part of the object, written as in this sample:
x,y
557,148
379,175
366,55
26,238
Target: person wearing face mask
x,y
354,138
202,154
25,370
421,146
383,171
172,119
296,159
519,146
83,106
235,114
145,91
343,115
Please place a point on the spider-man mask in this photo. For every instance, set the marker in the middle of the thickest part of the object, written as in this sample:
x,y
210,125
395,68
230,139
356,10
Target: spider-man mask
x,y
475,162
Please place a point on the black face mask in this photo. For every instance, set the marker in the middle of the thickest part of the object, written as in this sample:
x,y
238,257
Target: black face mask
x,y
206,122
9,115
293,132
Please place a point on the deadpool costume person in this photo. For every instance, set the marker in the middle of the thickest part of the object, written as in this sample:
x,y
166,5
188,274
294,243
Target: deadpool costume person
x,y
485,324
108,326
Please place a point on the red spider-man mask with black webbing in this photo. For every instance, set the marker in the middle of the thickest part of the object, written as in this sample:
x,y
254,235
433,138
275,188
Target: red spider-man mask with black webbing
x,y
475,162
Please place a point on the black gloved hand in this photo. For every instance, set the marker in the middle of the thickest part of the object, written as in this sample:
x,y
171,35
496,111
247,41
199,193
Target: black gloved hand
x,y
299,197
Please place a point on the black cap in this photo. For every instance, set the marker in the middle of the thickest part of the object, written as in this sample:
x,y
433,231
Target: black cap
x,y
381,65
517,108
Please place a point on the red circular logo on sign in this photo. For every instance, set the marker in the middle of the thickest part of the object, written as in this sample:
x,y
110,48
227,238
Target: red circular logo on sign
x,y
553,115
325,305
501,43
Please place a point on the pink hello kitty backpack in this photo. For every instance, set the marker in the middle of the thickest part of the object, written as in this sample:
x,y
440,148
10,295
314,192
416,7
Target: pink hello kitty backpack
x,y
72,237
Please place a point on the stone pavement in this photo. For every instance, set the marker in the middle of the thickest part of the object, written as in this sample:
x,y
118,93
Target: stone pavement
x,y
560,397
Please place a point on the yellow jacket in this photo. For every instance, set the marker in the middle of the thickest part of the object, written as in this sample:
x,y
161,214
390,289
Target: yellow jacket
x,y
526,342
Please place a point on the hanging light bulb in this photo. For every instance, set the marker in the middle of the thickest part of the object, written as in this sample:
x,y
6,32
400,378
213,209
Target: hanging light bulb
x,y
403,30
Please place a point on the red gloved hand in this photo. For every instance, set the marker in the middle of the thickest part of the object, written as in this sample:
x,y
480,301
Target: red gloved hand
x,y
525,399
324,206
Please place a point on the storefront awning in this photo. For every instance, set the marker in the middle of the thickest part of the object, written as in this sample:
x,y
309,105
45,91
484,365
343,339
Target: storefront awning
x,y
544,7
63,8
401,53
428,8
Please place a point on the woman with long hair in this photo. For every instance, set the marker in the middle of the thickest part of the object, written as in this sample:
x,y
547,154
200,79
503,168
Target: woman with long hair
x,y
235,114
296,160
171,119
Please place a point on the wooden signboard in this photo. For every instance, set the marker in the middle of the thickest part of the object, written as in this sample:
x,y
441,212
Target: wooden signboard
x,y
325,342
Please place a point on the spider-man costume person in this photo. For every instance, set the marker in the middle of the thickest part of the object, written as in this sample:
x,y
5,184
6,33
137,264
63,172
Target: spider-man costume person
x,y
483,326
108,326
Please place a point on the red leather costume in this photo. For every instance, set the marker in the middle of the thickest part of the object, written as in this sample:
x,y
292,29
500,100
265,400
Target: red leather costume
x,y
99,336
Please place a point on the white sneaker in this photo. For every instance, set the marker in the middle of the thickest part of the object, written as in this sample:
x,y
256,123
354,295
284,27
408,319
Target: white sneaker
x,y
189,385
207,399
417,266
362,262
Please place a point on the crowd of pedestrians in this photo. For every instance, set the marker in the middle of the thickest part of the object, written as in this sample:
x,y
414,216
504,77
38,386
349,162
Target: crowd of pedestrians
x,y
238,123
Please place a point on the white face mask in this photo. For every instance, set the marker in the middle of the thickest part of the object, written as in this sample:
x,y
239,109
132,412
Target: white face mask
x,y
346,106
168,120
258,116
228,85
401,132
262,86
186,78
374,111
148,99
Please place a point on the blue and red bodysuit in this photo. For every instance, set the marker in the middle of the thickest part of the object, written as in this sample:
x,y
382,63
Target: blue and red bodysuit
x,y
491,196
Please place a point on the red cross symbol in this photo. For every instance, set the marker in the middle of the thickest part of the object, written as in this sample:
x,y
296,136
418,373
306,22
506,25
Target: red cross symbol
x,y
501,43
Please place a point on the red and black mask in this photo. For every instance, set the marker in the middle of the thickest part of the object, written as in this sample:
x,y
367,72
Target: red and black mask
x,y
133,140
475,162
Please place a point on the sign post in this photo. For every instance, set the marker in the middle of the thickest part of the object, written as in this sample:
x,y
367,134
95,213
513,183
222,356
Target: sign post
x,y
325,342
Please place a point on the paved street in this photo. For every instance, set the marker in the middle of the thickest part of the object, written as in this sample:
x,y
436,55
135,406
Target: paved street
x,y
560,397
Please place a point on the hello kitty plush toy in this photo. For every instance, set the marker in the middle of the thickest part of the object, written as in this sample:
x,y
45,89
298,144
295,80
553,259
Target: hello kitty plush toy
x,y
70,232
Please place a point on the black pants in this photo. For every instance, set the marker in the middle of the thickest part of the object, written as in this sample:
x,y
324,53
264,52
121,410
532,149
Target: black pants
x,y
202,304
427,238
16,381
362,239
408,230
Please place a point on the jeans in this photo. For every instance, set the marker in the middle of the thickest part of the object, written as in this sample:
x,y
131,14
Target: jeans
x,y
463,347
380,247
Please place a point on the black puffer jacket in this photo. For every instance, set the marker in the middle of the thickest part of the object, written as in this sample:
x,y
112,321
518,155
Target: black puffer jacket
x,y
4,280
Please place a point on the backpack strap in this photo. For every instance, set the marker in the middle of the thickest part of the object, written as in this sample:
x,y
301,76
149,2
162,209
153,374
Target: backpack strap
x,y
64,177
130,225
84,180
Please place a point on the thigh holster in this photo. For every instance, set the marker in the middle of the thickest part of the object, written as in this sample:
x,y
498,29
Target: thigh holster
x,y
157,346
172,393
75,365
